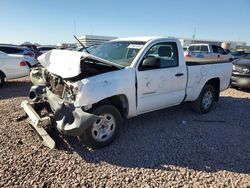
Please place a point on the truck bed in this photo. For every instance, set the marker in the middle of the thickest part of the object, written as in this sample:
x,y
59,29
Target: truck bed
x,y
199,72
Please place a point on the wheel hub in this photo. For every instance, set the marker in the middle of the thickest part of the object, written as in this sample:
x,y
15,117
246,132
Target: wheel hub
x,y
103,128
207,99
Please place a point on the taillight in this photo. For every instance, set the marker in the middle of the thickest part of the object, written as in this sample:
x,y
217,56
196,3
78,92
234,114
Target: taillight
x,y
22,63
188,56
30,54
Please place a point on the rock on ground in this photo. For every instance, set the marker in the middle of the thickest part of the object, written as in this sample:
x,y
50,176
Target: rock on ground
x,y
173,147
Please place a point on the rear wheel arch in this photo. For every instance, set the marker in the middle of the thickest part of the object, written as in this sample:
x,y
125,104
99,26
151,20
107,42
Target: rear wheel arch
x,y
1,72
215,82
205,101
2,78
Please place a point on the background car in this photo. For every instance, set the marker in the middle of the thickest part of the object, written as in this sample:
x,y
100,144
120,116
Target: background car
x,y
18,50
207,51
241,73
43,49
32,47
12,66
239,54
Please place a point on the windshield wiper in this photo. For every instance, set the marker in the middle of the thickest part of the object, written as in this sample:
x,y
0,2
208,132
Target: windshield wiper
x,y
81,44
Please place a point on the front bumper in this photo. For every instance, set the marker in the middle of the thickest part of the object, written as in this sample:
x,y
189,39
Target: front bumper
x,y
240,81
36,123
66,118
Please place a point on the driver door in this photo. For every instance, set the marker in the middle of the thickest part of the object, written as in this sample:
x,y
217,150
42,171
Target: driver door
x,y
162,86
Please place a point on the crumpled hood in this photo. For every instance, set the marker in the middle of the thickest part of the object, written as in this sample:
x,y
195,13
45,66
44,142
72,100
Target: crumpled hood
x,y
66,63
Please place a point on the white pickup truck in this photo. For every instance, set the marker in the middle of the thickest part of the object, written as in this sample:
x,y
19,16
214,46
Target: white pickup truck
x,y
87,94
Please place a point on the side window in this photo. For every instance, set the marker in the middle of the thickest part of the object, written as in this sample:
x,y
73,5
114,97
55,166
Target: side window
x,y
215,49
3,49
15,50
197,48
191,48
204,48
218,49
166,53
221,51
10,50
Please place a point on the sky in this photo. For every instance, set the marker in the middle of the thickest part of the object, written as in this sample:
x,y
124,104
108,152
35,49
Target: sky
x,y
56,21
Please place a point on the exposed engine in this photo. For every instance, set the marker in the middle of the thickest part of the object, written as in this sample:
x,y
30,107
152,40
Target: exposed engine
x,y
43,80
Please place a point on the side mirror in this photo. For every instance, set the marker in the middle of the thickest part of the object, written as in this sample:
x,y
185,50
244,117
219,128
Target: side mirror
x,y
151,62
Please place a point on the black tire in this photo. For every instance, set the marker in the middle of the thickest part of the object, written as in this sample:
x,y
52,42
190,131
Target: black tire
x,y
2,79
203,104
89,137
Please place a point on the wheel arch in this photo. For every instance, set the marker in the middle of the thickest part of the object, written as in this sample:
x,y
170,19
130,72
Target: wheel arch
x,y
215,82
118,101
1,72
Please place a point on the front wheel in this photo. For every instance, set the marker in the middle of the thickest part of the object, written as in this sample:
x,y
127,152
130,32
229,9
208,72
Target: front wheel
x,y
105,129
206,99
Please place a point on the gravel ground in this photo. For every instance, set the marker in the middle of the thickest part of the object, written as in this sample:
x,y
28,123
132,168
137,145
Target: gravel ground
x,y
169,148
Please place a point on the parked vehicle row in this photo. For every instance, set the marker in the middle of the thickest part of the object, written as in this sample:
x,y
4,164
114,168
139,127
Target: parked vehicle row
x,y
16,61
45,48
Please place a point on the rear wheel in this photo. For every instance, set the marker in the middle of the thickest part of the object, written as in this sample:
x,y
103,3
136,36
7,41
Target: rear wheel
x,y
2,79
105,129
206,99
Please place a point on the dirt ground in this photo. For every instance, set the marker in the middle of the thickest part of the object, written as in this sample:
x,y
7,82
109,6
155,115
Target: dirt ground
x,y
173,147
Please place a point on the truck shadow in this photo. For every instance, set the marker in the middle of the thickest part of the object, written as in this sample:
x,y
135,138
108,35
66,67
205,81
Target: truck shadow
x,y
219,140
15,88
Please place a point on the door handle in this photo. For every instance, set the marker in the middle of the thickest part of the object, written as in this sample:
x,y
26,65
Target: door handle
x,y
179,74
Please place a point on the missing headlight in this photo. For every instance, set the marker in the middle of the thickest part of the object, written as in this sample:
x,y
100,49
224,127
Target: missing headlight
x,y
38,76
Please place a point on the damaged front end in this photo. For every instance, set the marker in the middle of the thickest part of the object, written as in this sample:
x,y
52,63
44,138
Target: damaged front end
x,y
51,103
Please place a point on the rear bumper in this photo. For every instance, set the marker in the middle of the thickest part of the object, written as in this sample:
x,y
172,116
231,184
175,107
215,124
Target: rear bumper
x,y
240,81
67,119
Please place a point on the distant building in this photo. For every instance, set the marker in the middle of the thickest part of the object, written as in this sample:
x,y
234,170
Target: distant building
x,y
90,40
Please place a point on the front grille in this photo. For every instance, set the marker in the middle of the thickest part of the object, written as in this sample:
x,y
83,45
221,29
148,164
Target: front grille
x,y
57,86
61,89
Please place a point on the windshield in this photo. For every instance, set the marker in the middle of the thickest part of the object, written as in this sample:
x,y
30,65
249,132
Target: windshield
x,y
119,52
